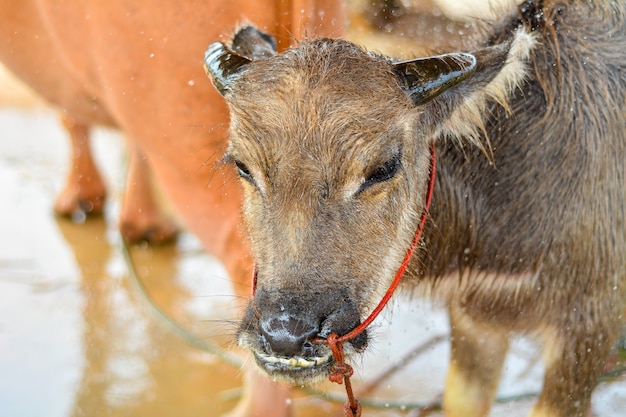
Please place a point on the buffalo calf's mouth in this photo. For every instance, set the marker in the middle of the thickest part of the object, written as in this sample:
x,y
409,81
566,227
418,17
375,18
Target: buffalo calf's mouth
x,y
285,331
287,337
296,370
292,363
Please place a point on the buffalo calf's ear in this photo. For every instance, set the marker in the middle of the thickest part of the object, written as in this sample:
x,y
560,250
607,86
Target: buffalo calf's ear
x,y
253,43
453,91
222,66
425,78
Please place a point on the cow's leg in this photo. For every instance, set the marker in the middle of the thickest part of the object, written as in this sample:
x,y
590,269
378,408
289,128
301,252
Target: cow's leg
x,y
141,219
477,355
84,192
574,357
262,397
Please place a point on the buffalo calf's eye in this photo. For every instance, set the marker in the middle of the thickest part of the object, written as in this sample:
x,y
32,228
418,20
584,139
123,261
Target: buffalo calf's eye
x,y
383,173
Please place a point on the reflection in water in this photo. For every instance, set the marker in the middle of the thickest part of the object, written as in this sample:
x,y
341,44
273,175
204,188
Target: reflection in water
x,y
114,334
133,364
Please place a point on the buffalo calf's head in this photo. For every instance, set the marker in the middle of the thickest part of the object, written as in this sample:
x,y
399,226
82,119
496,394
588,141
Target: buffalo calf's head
x,y
332,147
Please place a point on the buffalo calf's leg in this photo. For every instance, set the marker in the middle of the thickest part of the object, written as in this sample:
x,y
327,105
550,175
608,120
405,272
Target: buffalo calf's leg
x,y
477,355
574,360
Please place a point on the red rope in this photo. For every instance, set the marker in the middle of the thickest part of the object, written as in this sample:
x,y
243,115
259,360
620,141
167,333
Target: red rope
x,y
341,371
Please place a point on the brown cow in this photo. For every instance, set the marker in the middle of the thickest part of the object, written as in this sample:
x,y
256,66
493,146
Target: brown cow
x,y
527,227
137,66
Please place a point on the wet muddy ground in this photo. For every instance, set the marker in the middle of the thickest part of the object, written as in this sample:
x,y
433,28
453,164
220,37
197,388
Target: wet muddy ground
x,y
82,335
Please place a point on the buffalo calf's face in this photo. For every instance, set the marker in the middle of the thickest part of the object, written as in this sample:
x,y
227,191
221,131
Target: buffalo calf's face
x,y
332,147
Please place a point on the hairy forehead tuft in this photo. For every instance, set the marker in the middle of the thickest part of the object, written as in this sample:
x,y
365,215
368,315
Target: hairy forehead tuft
x,y
322,72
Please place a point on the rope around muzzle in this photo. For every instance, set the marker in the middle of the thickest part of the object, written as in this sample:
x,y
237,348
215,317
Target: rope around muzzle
x,y
341,371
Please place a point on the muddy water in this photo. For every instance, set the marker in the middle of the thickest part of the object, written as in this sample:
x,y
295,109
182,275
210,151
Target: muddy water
x,y
80,335
76,336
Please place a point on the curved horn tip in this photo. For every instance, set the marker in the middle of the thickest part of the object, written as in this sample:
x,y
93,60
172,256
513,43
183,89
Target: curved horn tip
x,y
214,49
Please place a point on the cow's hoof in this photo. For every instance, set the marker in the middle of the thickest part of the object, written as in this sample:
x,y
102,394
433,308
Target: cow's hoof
x,y
152,229
78,205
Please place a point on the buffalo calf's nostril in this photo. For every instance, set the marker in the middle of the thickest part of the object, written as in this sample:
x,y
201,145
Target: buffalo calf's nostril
x,y
286,335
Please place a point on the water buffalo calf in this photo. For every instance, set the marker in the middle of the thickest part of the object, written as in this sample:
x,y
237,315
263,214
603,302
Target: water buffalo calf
x,y
526,231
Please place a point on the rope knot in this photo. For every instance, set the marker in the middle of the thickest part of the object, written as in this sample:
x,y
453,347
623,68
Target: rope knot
x,y
339,372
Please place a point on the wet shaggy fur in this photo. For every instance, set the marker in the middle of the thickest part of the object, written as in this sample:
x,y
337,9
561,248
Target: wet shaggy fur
x,y
526,232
